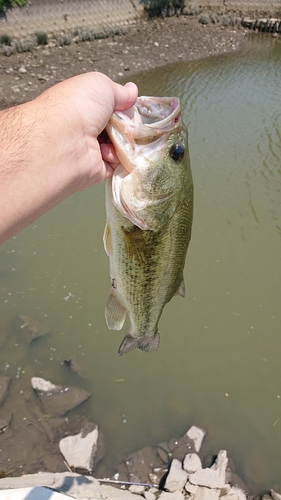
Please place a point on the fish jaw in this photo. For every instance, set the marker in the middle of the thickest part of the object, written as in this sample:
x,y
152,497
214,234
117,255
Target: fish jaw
x,y
145,122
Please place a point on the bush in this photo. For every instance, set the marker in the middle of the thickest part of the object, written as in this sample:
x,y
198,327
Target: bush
x,y
41,37
162,8
5,40
8,4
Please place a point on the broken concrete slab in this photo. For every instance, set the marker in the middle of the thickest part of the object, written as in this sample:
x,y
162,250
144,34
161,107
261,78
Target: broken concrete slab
x,y
84,450
207,477
192,463
220,464
57,400
204,493
176,478
196,434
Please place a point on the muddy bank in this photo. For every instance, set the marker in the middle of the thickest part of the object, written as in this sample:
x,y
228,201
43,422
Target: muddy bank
x,y
142,46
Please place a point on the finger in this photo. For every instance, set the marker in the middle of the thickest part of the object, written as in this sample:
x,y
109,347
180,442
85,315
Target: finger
x,y
125,96
108,153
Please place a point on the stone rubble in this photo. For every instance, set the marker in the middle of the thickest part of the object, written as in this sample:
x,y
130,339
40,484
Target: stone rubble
x,y
57,400
84,450
186,479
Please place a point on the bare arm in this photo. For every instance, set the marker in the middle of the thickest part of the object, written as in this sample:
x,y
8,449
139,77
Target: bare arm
x,y
49,147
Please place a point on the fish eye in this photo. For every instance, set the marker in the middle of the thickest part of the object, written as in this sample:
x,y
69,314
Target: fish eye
x,y
176,151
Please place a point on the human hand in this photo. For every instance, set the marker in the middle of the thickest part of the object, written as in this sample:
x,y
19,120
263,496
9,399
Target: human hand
x,y
86,102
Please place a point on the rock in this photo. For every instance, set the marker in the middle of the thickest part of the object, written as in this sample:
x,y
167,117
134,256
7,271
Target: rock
x,y
176,477
275,495
135,488
157,475
148,495
192,463
33,494
209,478
196,434
139,463
191,488
32,329
234,494
111,493
58,400
4,387
175,448
207,494
5,422
64,482
220,464
22,69
177,495
81,450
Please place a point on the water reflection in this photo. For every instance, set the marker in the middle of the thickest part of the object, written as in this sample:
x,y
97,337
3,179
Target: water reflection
x,y
218,365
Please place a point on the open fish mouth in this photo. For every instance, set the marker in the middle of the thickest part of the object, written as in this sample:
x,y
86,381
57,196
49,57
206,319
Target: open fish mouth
x,y
145,118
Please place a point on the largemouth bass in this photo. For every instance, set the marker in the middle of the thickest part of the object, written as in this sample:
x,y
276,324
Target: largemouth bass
x,y
149,205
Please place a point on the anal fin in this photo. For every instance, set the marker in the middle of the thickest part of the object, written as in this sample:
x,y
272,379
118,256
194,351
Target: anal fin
x,y
181,289
115,313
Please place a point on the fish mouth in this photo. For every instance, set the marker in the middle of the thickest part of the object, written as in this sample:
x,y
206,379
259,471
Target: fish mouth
x,y
150,119
158,112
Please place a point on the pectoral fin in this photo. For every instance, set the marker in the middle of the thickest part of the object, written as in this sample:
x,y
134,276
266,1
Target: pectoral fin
x,y
115,313
181,289
107,240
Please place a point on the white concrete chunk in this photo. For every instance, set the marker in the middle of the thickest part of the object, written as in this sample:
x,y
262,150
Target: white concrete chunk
x,y
42,385
207,477
36,493
177,495
275,495
149,496
234,494
139,490
79,450
176,478
197,435
192,463
111,493
207,494
220,464
191,488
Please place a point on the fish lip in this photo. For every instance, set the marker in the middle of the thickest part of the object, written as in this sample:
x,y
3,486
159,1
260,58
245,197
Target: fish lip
x,y
148,107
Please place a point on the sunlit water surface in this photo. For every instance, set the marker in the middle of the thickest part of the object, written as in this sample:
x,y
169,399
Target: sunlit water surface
x,y
218,365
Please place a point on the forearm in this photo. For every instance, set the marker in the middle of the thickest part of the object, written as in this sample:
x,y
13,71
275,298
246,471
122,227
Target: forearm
x,y
34,174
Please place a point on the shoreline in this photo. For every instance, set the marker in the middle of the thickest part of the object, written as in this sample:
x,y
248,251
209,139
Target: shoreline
x,y
144,45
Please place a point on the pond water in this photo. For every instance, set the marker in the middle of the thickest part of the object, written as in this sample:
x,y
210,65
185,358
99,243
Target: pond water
x,y
218,365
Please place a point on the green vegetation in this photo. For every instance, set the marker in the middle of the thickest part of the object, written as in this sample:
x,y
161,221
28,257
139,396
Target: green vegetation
x,y
163,8
41,37
8,4
5,39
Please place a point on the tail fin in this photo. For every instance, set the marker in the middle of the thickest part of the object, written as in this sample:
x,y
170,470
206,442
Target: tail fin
x,y
147,344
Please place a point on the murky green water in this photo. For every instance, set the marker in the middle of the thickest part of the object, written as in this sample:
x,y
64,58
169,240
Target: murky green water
x,y
218,365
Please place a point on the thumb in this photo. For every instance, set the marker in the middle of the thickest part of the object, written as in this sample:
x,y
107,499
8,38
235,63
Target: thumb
x,y
125,96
